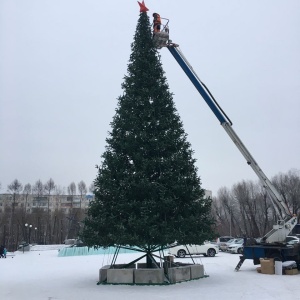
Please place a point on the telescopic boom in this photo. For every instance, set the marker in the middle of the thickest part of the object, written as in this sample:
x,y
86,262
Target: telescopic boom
x,y
286,221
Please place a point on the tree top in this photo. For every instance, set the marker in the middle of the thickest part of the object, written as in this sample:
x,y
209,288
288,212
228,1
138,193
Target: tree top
x,y
143,7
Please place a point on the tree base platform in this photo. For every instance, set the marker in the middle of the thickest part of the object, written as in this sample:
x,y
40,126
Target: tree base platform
x,y
137,274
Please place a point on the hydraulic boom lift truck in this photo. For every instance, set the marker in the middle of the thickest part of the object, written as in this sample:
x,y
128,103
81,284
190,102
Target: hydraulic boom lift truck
x,y
273,244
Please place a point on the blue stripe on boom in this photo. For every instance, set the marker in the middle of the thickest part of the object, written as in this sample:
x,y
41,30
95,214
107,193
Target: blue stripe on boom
x,y
197,85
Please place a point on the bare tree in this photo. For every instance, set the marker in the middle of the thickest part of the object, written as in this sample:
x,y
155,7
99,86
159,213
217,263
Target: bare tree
x,y
26,192
49,187
266,213
246,194
245,209
59,226
218,213
92,188
225,211
59,190
72,192
38,188
289,187
82,190
14,188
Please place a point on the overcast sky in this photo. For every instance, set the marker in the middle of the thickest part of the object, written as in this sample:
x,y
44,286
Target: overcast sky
x,y
62,63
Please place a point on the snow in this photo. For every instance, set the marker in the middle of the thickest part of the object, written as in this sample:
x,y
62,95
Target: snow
x,y
41,274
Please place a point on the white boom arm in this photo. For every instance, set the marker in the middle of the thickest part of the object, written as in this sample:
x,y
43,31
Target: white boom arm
x,y
287,221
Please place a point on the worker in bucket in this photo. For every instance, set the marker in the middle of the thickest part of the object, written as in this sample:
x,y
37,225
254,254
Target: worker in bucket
x,y
156,22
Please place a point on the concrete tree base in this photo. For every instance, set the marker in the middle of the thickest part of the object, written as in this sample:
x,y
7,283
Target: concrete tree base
x,y
170,273
149,276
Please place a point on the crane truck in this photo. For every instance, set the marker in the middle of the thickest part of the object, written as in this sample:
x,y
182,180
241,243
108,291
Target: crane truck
x,y
273,244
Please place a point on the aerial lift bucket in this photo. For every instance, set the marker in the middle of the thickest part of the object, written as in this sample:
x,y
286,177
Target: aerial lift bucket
x,y
161,38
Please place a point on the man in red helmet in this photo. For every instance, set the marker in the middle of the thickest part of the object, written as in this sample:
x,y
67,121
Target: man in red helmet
x,y
156,22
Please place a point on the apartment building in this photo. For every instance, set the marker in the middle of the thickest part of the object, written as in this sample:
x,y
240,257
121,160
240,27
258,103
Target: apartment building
x,y
55,202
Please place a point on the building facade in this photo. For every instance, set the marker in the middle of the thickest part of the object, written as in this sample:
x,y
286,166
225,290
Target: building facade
x,y
28,203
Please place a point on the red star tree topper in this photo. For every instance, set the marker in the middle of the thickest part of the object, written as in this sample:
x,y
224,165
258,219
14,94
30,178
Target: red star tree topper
x,y
143,7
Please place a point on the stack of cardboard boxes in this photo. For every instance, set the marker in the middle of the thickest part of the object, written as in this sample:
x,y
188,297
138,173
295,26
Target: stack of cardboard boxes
x,y
267,265
291,272
289,268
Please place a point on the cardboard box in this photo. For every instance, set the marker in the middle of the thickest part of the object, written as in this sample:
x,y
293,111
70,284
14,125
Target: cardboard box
x,y
291,272
267,260
267,265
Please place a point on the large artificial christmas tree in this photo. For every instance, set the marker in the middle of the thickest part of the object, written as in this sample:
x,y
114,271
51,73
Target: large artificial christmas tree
x,y
147,192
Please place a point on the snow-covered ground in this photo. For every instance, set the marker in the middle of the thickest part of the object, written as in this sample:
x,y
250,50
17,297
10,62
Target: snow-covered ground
x,y
41,274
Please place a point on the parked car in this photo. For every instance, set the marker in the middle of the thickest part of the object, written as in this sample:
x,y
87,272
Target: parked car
x,y
223,239
224,246
207,249
291,240
237,247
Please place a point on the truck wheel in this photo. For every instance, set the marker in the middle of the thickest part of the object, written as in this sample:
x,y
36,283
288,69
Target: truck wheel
x,y
240,251
181,253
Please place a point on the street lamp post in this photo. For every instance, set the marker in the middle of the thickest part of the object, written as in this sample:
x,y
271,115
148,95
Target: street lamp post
x,y
30,226
26,235
35,230
230,222
29,232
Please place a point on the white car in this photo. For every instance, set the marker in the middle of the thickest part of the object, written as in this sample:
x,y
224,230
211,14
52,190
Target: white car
x,y
224,246
291,240
237,247
207,249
